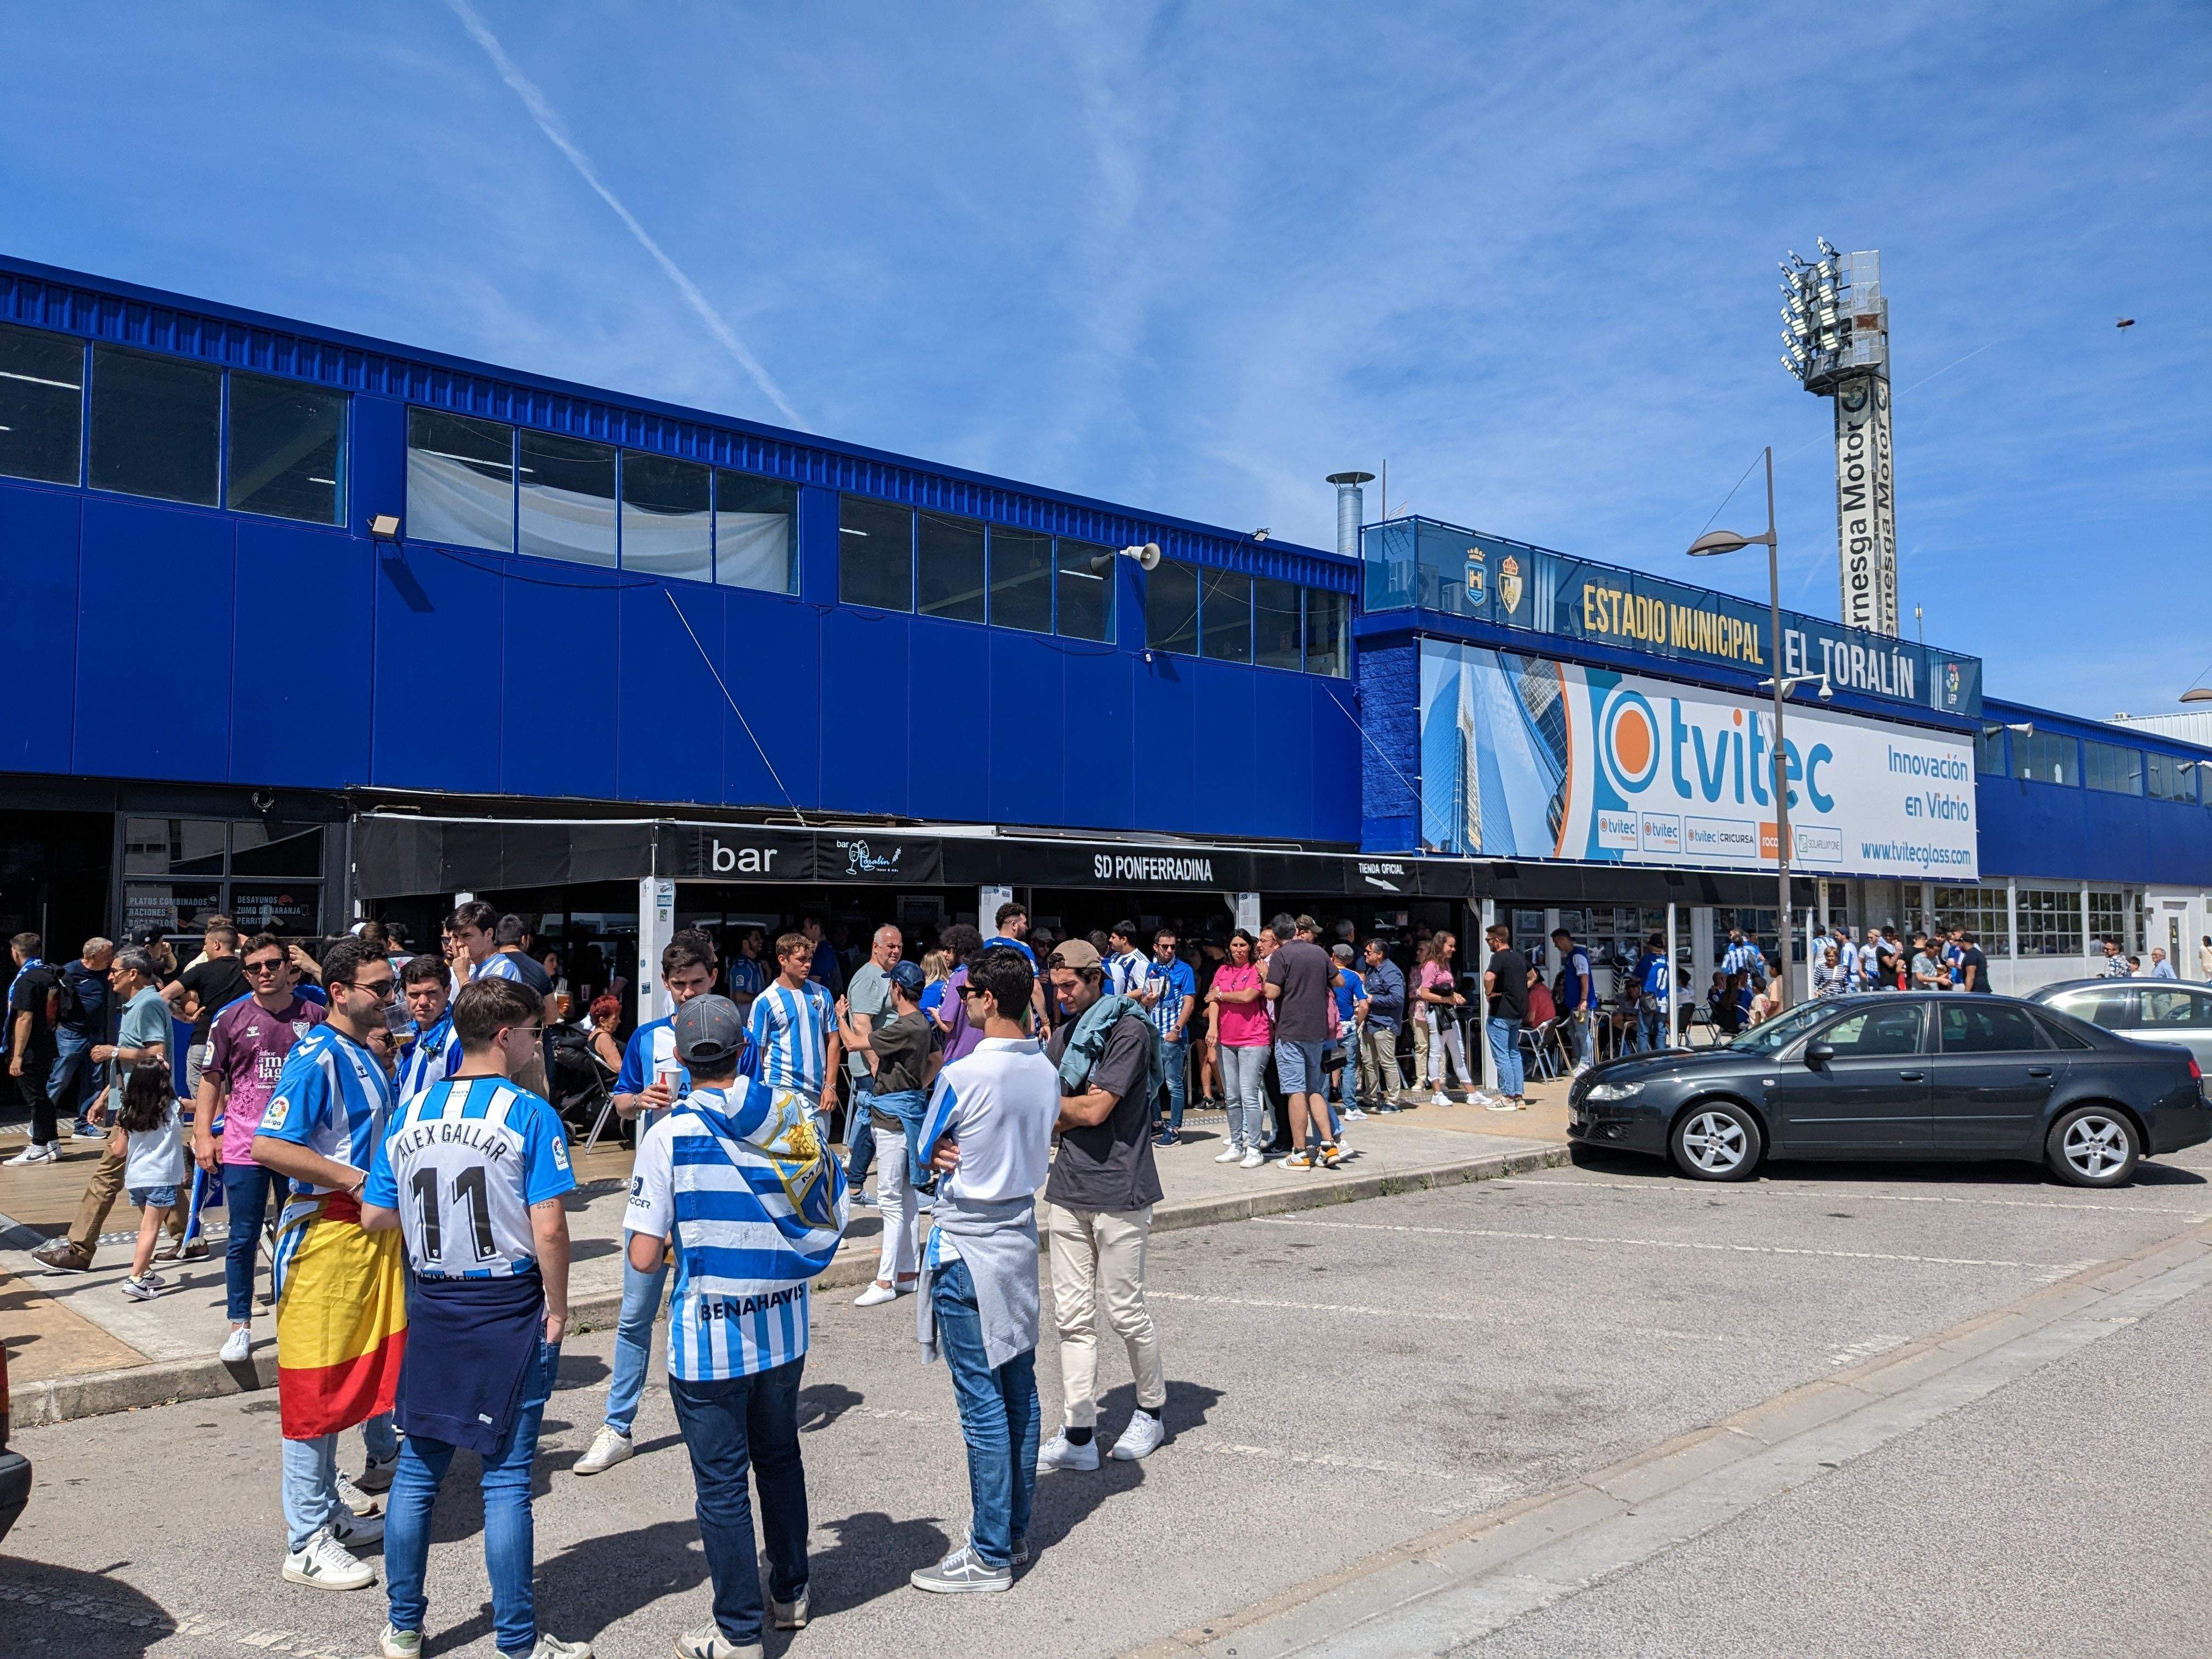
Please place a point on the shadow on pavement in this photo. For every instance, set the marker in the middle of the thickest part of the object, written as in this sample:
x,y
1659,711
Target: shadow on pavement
x,y
62,1611
1999,1172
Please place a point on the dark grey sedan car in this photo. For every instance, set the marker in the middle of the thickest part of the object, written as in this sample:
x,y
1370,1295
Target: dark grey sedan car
x,y
1904,1075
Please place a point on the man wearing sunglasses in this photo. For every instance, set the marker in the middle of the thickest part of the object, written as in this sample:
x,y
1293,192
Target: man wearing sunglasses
x,y
247,1042
341,1289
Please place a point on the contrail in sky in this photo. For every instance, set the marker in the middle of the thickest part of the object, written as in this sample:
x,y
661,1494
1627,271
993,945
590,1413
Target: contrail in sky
x,y
549,124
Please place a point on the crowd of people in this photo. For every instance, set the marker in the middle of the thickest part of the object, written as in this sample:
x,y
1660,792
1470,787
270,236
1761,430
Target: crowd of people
x,y
394,1109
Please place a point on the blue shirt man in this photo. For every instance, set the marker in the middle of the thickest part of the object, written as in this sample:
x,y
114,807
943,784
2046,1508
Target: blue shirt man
x,y
1744,958
1173,990
793,1027
1577,993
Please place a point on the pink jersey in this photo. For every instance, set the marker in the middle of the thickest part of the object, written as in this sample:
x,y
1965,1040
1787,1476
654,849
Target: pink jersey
x,y
246,1045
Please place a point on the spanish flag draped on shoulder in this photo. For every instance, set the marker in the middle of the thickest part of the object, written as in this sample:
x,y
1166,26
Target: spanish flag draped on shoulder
x,y
341,1291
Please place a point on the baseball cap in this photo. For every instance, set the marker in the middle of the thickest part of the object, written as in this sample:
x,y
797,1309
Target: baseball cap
x,y
709,1032
907,976
1342,953
1077,953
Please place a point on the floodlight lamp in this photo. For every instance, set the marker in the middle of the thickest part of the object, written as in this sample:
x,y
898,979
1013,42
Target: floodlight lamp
x,y
1262,533
1791,364
383,526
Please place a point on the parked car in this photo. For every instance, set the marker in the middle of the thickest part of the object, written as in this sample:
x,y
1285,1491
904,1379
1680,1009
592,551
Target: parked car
x,y
2148,1010
1905,1075
15,1468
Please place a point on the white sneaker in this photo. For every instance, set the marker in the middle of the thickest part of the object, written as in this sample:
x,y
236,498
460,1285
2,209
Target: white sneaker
x,y
398,1644
961,1572
552,1647
325,1563
1141,1438
237,1344
1353,1115
351,1526
1440,1098
1252,1158
876,1295
1057,1454
36,1153
610,1446
1229,1154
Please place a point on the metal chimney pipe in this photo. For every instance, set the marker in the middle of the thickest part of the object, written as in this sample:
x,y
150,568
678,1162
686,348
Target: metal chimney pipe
x,y
1350,509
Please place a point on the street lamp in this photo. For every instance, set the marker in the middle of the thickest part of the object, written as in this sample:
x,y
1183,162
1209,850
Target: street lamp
x,y
1727,541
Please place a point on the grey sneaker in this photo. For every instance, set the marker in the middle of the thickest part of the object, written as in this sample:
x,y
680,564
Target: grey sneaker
x,y
1021,1546
375,1475
962,1573
707,1642
788,1615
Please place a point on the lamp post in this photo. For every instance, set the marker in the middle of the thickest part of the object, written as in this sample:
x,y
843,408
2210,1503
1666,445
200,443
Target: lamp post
x,y
1727,541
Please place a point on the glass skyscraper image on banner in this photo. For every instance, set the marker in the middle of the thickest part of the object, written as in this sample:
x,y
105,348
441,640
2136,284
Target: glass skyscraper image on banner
x,y
1493,752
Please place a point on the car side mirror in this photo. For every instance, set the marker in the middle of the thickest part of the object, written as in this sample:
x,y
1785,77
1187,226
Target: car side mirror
x,y
1817,1054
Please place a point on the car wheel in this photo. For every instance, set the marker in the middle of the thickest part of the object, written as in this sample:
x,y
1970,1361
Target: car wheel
x,y
1716,1140
2093,1147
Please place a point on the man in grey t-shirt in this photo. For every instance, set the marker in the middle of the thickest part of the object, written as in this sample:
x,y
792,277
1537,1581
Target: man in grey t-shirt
x,y
867,999
1100,1193
1298,985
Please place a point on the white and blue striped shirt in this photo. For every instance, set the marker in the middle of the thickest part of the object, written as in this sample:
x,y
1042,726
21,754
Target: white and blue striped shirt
x,y
1743,957
463,1163
756,1206
331,1098
433,1056
790,1032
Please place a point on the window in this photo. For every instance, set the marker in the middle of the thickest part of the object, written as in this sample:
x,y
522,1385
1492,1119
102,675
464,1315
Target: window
x,y
875,553
1985,1026
263,874
1021,580
2176,1011
1277,626
1990,754
1086,589
2116,915
1327,614
41,404
2049,921
1872,1033
460,480
754,546
1226,615
287,450
567,499
1171,607
155,425
2110,1006
2113,767
667,517
2171,778
1981,912
2045,758
949,566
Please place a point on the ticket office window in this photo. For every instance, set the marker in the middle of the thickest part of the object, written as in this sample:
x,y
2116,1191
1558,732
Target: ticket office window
x,y
266,875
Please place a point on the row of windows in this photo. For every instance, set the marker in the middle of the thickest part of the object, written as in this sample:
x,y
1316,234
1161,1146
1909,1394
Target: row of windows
x,y
144,424
899,558
1981,911
2113,768
474,482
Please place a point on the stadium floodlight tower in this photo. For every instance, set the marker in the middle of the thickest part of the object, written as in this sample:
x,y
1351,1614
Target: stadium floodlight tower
x,y
1835,326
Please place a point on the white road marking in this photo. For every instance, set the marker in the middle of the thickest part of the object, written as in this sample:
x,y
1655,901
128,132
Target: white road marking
x,y
1830,1194
1666,1244
1867,1349
1153,1294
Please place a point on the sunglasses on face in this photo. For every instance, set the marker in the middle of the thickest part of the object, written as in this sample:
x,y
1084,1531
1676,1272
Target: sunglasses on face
x,y
378,988
258,969
968,991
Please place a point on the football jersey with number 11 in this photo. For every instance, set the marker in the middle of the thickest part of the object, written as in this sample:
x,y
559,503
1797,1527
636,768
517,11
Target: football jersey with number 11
x,y
463,1163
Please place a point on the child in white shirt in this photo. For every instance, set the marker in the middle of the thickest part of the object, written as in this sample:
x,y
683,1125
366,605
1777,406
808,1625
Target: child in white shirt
x,y
150,1139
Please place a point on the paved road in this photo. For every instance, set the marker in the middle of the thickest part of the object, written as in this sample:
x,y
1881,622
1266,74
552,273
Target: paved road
x,y
1343,1381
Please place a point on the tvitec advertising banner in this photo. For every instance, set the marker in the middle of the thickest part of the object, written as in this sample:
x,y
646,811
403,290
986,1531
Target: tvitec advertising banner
x,y
1526,757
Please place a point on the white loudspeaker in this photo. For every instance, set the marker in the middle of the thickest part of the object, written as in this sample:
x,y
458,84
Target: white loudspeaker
x,y
1147,557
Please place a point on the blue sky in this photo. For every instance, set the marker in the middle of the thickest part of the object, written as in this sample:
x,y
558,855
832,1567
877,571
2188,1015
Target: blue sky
x,y
1194,257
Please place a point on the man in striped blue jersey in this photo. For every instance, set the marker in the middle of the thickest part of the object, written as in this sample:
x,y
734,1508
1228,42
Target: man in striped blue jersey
x,y
434,1053
474,926
1744,958
653,1080
793,1029
471,1172
737,1183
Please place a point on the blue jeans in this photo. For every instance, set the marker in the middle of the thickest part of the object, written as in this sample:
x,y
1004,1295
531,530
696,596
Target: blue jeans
x,y
860,1134
1505,1050
729,1426
1174,1065
1578,1032
998,1417
1649,1026
247,1189
510,1539
310,1477
640,1306
909,1107
70,1085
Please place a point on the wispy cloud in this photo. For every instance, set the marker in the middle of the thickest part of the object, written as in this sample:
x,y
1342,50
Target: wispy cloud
x,y
550,123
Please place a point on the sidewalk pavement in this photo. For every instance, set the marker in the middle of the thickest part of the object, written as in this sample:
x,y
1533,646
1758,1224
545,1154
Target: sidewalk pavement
x,y
77,1346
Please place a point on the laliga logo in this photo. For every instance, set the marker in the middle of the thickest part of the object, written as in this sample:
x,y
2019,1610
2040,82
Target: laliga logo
x,y
1628,740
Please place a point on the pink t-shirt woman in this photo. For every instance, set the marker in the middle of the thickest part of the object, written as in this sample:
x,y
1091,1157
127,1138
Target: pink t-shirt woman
x,y
1242,1025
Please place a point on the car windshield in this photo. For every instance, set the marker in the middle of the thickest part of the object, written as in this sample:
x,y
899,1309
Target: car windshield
x,y
1782,1029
